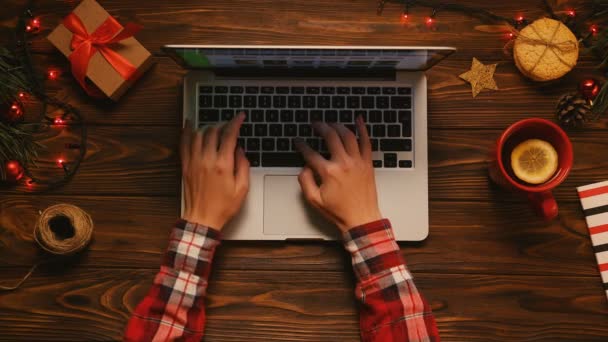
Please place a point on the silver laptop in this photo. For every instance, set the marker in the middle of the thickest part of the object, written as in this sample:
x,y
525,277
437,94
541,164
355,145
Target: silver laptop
x,y
283,89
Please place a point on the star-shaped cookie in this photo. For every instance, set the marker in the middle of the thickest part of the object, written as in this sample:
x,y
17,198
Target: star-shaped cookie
x,y
480,76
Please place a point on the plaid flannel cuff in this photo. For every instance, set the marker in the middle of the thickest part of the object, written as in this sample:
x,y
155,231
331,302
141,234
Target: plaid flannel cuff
x,y
373,248
191,248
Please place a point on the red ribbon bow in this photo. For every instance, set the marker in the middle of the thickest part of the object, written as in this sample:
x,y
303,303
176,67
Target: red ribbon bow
x,y
85,45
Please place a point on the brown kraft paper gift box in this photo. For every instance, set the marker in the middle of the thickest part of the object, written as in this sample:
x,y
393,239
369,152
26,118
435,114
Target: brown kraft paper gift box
x,y
99,71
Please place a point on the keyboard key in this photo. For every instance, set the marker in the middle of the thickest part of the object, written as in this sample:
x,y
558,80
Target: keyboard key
x,y
205,90
268,144
251,101
390,116
358,90
252,90
353,102
287,116
373,90
241,143
267,90
254,158
220,101
305,130
377,163
227,114
382,102
272,115
282,159
379,131
323,102
209,115
282,90
338,102
328,90
369,129
236,101
275,130
313,143
389,91
331,116
297,90
367,102
401,102
361,113
313,90
390,160
309,102
291,130
405,163
374,143
257,115
205,101
246,130
261,130
221,89
265,101
244,111
375,116
301,116
346,116
343,90
279,101
316,115
294,101
283,144
236,90
395,144
405,117
404,91
253,144
394,131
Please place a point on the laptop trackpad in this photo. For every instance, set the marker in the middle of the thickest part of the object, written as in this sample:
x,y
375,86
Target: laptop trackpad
x,y
286,212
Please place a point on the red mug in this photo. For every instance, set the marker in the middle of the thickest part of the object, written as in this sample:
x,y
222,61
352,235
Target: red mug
x,y
539,196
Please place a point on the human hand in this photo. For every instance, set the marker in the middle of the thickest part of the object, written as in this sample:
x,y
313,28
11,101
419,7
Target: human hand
x,y
215,173
347,191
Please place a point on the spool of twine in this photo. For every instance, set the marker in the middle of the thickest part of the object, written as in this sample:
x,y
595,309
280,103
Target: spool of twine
x,y
61,230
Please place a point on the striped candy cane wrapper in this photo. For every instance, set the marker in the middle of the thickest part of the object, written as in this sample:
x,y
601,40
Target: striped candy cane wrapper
x,y
594,199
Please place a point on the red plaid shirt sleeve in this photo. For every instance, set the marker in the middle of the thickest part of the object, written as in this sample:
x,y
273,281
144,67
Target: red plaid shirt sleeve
x,y
392,309
174,307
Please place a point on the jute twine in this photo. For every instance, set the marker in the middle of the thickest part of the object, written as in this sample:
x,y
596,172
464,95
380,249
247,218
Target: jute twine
x,y
61,230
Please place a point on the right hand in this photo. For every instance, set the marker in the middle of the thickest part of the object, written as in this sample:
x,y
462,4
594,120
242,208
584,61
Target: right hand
x,y
346,194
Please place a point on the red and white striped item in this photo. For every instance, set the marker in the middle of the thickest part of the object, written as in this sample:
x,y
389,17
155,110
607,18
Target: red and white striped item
x,y
594,198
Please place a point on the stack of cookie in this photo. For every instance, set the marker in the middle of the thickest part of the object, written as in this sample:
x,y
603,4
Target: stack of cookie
x,y
545,50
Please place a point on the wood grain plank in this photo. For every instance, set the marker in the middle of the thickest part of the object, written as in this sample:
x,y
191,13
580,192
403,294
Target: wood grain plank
x,y
298,22
74,304
143,161
156,98
466,237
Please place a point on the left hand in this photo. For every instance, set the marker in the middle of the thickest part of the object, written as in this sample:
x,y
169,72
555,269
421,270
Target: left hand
x,y
215,173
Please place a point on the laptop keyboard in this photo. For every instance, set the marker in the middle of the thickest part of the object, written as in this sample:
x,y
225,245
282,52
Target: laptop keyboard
x,y
276,115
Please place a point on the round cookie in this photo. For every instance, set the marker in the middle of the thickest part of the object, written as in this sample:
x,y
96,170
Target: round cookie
x,y
545,50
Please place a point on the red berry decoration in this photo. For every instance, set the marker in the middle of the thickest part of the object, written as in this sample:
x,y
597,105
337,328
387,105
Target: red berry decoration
x,y
589,89
13,171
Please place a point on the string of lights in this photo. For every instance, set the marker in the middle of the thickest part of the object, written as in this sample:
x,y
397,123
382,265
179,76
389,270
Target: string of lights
x,y
69,117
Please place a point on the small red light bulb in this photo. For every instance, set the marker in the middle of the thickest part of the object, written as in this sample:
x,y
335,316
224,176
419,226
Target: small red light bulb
x,y
429,21
36,22
21,95
571,13
520,18
58,121
593,29
60,162
52,74
29,183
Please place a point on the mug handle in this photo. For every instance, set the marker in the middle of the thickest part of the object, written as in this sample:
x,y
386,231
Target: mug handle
x,y
544,204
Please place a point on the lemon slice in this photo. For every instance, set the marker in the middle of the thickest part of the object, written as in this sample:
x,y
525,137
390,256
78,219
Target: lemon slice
x,y
534,161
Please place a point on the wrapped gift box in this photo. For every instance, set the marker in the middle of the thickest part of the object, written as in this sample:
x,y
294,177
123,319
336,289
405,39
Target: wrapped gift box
x,y
100,72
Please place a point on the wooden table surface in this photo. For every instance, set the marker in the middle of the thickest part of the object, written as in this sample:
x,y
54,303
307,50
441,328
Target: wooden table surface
x,y
491,270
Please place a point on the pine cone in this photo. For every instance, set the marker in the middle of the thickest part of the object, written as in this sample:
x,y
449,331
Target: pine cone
x,y
573,110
